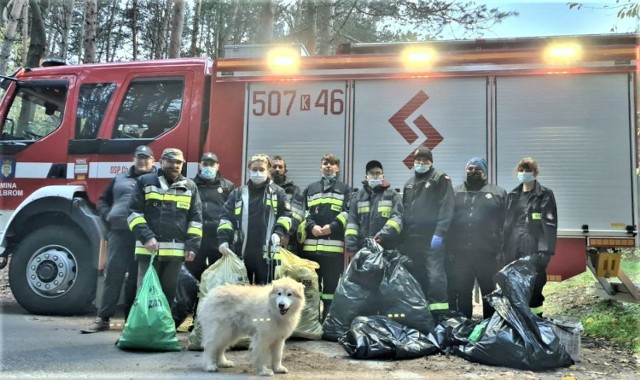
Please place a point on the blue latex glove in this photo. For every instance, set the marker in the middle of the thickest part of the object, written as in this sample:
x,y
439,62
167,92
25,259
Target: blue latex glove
x,y
436,242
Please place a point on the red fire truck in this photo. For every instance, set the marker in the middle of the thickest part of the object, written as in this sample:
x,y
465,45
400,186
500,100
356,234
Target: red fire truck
x,y
570,102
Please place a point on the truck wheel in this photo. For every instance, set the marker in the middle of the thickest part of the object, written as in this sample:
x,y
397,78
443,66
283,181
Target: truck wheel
x,y
52,272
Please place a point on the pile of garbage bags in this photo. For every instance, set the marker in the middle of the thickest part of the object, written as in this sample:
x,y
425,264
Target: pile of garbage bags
x,y
379,312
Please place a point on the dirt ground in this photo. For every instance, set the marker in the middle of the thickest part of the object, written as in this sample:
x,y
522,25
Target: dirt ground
x,y
319,359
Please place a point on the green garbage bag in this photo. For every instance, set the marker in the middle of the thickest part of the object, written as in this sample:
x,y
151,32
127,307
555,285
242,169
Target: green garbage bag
x,y
229,269
150,325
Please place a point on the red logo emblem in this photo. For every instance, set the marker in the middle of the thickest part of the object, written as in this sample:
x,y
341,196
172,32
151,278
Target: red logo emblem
x,y
399,121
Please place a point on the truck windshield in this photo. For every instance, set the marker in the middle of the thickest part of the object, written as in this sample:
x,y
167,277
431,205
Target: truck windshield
x,y
36,110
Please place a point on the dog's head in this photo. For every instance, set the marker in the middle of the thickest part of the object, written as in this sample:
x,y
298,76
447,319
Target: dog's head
x,y
288,295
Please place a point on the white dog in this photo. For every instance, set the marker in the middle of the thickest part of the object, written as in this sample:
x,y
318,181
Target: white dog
x,y
268,314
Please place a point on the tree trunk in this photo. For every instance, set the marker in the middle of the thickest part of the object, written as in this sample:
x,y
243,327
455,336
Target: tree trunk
x,y
134,28
265,23
177,22
12,25
90,23
68,18
325,26
163,35
38,33
25,33
193,50
311,18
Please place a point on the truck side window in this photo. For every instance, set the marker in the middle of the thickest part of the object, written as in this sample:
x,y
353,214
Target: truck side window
x,y
36,110
92,105
151,107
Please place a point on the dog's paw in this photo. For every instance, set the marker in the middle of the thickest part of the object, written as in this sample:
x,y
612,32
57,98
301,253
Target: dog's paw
x,y
211,368
280,369
226,364
264,371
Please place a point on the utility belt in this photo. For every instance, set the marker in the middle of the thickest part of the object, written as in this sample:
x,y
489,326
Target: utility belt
x,y
166,250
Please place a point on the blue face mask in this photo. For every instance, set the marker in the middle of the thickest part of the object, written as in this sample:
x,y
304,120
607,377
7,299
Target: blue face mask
x,y
374,182
421,168
208,172
525,177
332,176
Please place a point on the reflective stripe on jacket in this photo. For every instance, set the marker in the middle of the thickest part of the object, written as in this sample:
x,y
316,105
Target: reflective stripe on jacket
x,y
374,212
168,213
326,205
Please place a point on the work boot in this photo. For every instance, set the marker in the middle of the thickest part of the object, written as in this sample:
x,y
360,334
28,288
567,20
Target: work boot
x,y
98,325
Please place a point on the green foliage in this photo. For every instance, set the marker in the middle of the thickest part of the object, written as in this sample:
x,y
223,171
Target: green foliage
x,y
615,321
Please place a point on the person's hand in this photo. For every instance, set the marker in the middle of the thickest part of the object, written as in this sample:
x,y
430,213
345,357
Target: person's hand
x,y
284,241
275,240
326,230
436,242
151,245
189,256
224,249
317,231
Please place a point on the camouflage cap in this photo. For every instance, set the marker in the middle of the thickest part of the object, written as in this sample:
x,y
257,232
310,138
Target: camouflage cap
x,y
172,154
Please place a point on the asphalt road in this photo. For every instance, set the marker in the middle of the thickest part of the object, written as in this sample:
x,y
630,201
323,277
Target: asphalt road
x,y
52,347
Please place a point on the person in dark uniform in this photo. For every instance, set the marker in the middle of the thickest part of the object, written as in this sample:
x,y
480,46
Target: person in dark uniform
x,y
254,219
428,209
113,207
326,203
475,238
294,197
214,191
531,226
375,212
165,214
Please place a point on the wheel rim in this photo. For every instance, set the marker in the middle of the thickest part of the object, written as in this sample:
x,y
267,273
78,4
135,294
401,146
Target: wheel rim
x,y
52,271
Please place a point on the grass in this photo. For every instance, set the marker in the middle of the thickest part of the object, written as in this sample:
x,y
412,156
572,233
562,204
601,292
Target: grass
x,y
616,321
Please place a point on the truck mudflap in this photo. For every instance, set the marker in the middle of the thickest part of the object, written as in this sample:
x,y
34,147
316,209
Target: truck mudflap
x,y
54,262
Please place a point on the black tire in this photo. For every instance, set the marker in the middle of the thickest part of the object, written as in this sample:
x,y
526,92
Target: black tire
x,y
52,272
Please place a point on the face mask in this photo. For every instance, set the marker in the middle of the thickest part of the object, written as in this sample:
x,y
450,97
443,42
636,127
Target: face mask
x,y
474,178
257,177
374,182
208,172
421,168
525,177
332,176
278,178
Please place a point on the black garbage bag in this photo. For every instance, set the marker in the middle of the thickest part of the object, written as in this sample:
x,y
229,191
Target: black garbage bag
x,y
453,331
514,336
402,296
357,290
378,337
186,296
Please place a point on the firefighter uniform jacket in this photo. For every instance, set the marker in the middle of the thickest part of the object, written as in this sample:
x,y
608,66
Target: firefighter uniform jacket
x,y
478,219
325,203
234,219
541,224
374,212
214,194
428,204
170,213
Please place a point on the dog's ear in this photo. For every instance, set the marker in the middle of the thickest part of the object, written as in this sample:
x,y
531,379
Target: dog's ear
x,y
300,290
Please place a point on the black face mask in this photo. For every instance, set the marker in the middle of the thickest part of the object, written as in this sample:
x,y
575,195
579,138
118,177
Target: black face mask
x,y
278,178
475,179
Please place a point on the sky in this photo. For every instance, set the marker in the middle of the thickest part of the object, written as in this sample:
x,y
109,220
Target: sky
x,y
553,17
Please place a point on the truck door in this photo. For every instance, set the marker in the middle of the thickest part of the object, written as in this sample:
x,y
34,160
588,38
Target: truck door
x,y
579,129
394,117
147,110
33,132
299,122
